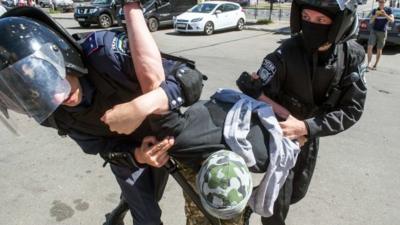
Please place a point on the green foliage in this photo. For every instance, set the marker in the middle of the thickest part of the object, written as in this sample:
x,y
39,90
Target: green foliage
x,y
264,21
54,11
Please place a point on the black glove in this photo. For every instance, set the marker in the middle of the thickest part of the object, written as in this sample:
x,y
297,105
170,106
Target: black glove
x,y
249,86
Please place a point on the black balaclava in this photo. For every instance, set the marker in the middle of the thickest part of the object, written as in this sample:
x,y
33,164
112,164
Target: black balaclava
x,y
315,35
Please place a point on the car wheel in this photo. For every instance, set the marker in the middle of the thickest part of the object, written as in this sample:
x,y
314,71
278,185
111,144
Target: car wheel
x,y
240,24
41,4
153,24
209,28
105,21
84,25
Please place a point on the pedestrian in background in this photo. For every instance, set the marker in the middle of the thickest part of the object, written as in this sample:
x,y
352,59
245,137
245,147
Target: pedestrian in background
x,y
379,22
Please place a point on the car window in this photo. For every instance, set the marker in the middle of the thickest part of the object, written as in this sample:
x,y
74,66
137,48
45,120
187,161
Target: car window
x,y
203,8
396,14
221,8
101,1
230,7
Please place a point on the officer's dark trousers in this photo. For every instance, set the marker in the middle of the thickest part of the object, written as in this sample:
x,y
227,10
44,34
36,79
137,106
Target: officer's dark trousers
x,y
296,184
143,196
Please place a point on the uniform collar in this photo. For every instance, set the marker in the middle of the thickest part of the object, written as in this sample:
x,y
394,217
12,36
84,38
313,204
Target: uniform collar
x,y
88,91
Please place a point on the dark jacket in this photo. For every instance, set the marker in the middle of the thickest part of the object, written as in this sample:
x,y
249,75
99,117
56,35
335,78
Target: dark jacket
x,y
291,79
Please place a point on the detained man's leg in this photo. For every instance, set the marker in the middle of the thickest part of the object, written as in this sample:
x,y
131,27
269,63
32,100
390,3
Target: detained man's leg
x,y
282,203
139,192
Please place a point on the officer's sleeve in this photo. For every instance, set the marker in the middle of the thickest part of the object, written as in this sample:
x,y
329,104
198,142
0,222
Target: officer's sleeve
x,y
99,145
272,73
349,109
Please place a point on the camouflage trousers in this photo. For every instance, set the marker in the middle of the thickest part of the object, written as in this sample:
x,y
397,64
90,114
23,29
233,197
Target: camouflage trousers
x,y
193,215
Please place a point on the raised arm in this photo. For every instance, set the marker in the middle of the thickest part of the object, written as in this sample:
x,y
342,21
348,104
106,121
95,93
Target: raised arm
x,y
145,54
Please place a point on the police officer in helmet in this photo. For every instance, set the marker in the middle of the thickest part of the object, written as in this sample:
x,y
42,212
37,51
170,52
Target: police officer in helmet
x,y
315,83
72,86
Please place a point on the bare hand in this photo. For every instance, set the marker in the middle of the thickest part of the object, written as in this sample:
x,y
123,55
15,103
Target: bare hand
x,y
293,128
125,118
152,152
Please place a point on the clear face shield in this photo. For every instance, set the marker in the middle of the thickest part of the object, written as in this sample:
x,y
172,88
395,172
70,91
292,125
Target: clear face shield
x,y
35,85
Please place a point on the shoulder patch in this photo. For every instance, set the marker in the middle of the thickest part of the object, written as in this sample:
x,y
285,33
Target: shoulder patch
x,y
90,45
267,71
120,44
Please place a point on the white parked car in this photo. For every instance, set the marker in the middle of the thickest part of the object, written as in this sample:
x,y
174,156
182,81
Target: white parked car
x,y
208,17
65,5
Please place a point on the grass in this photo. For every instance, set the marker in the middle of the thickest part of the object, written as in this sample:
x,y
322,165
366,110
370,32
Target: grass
x,y
54,11
264,21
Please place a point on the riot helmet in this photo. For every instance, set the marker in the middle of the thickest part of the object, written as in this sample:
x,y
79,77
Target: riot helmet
x,y
224,184
342,12
36,53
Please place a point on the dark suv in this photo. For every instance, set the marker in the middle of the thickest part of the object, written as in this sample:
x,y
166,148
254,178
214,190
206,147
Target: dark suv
x,y
161,12
101,12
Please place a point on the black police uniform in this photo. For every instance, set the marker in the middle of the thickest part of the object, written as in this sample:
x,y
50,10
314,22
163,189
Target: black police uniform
x,y
327,92
111,80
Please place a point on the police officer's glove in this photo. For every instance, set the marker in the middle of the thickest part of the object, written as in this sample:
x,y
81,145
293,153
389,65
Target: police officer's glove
x,y
248,85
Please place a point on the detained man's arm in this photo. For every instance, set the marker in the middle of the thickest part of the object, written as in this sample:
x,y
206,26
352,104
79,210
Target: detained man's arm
x,y
272,75
150,152
145,54
292,128
279,110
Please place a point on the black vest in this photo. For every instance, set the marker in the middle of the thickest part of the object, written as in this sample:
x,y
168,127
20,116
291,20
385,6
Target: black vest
x,y
306,86
108,92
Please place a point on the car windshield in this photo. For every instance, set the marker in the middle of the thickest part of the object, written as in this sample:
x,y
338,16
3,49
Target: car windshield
x,y
101,1
203,8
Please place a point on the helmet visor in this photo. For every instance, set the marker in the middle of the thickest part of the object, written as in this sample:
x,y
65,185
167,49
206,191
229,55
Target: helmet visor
x,y
330,3
36,84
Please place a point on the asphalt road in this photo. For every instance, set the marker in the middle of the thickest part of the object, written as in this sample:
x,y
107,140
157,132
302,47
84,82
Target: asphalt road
x,y
47,180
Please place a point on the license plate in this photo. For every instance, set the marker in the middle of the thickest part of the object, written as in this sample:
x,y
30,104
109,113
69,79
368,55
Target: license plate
x,y
180,25
81,19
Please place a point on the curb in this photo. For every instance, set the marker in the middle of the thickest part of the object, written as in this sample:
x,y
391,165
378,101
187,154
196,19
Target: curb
x,y
62,18
282,30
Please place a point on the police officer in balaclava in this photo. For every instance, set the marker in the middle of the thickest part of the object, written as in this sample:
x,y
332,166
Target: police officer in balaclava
x,y
315,83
